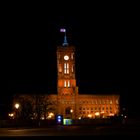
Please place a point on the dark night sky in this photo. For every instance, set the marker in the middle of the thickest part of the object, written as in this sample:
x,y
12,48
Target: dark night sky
x,y
106,54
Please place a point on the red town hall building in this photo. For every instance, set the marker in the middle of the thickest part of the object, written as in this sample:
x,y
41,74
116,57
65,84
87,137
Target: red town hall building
x,y
68,102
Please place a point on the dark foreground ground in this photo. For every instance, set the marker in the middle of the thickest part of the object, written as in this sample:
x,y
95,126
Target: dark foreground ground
x,y
61,130
129,127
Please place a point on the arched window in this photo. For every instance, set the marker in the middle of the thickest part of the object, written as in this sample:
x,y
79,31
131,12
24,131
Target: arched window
x,y
59,68
65,84
68,83
66,68
72,55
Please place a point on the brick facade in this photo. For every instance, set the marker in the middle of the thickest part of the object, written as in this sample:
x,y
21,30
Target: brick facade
x,y
68,102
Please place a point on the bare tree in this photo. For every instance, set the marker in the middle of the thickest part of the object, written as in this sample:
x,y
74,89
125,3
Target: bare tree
x,y
35,106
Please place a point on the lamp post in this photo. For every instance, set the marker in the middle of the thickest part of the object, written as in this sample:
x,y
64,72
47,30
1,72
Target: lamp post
x,y
16,112
71,111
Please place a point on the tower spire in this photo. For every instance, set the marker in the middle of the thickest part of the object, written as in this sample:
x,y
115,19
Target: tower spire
x,y
65,43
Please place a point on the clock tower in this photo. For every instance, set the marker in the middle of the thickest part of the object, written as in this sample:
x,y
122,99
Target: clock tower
x,y
68,102
66,82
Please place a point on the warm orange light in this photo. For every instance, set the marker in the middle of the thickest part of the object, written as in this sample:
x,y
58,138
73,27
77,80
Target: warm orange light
x,y
11,114
111,114
89,115
50,115
79,118
97,114
16,105
71,110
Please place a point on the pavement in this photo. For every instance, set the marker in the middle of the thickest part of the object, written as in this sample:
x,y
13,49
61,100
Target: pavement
x,y
61,130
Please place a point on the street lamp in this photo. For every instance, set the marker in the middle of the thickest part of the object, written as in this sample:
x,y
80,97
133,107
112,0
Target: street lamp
x,y
71,111
17,106
16,112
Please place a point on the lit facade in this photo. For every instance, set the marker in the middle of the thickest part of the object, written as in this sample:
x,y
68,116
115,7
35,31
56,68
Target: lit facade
x,y
82,106
68,102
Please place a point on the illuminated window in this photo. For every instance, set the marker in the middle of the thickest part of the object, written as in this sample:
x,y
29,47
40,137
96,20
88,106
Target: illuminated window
x,y
72,55
60,68
117,102
68,83
66,68
72,68
65,84
110,101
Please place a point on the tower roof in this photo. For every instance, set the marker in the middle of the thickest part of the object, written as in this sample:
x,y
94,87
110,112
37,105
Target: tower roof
x,y
65,43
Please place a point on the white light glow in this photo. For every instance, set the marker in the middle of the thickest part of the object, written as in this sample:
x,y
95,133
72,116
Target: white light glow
x,y
16,105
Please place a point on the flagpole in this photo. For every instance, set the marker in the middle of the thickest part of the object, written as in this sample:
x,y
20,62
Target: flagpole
x,y
65,43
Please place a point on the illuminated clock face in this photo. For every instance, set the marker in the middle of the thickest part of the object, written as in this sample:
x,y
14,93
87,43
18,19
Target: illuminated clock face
x,y
66,57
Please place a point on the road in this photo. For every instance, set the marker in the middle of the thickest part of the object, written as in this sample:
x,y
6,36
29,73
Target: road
x,y
70,131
